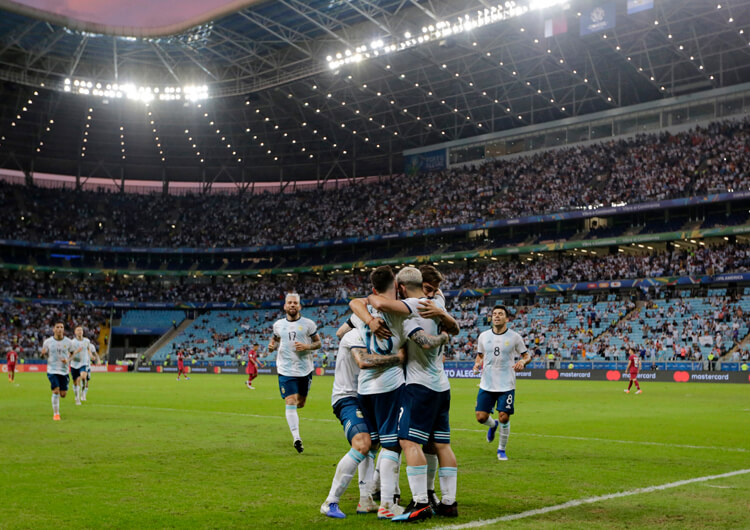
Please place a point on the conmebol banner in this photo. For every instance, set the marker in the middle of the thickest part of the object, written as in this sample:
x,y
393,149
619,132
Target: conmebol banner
x,y
598,18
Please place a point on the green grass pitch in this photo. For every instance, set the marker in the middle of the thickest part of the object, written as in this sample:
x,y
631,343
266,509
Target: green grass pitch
x,y
147,451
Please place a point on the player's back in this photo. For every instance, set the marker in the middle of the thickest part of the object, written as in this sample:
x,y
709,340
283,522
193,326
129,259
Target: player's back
x,y
347,370
288,361
384,379
424,367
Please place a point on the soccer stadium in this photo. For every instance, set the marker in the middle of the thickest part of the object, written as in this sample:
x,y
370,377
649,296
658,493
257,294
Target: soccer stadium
x,y
285,263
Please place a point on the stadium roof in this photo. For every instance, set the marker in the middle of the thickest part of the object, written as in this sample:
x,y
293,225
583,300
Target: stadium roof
x,y
270,86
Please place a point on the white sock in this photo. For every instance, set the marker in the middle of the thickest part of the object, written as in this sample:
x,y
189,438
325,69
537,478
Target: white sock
x,y
417,476
344,473
375,485
504,433
77,392
448,479
365,471
85,391
56,403
388,476
293,420
398,486
432,469
489,422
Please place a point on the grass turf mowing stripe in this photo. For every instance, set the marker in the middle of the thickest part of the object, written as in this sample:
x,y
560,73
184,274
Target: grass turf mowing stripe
x,y
591,500
579,438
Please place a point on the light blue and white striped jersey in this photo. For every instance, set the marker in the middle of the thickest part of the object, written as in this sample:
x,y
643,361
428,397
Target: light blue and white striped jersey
x,y
82,357
381,380
57,350
424,367
347,369
289,362
500,351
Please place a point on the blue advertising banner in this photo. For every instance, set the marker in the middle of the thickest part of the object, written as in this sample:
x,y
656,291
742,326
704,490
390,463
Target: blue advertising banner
x,y
598,18
429,161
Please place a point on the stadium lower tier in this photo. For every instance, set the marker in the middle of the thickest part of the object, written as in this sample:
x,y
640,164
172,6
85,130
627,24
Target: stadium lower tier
x,y
582,329
679,329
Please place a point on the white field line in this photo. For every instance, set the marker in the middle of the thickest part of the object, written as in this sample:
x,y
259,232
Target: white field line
x,y
591,500
578,438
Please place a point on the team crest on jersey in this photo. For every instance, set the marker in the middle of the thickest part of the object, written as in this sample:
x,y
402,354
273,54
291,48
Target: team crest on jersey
x,y
507,342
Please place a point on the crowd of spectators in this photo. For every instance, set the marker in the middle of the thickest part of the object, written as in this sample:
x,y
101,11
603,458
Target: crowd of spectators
x,y
544,268
25,326
680,332
642,168
584,267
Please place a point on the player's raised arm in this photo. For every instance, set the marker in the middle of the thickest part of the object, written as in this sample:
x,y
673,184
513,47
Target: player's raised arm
x,y
376,325
273,344
429,309
395,307
373,360
428,342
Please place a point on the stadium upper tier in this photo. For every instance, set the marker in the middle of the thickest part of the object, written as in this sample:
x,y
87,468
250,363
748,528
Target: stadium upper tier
x,y
644,168
687,259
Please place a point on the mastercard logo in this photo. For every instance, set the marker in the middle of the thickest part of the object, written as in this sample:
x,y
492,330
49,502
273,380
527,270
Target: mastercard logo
x,y
319,371
681,377
552,374
613,375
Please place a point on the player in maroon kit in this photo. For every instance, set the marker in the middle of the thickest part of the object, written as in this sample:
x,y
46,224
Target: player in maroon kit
x,y
12,357
181,365
634,363
252,366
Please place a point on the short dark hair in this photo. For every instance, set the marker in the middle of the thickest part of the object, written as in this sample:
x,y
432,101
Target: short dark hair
x,y
382,278
508,314
59,322
431,275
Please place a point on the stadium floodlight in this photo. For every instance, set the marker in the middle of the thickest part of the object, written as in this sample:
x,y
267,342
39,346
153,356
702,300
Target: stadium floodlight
x,y
144,94
439,30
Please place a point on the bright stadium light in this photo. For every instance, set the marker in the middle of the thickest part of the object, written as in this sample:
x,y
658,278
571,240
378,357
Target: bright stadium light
x,y
440,30
144,94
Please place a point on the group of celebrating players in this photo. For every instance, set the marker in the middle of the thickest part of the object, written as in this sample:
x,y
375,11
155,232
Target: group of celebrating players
x,y
390,390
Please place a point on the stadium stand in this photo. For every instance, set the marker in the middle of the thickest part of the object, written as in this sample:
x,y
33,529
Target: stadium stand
x,y
151,318
582,330
713,258
643,168
25,326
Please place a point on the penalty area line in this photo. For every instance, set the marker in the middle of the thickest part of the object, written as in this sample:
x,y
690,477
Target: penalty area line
x,y
591,500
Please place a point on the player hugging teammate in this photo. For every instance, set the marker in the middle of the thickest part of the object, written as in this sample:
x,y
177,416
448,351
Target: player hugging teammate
x,y
406,410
